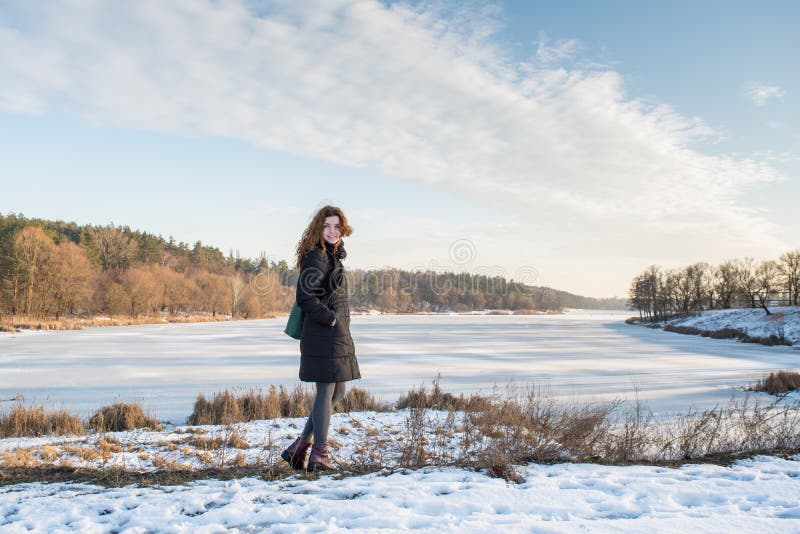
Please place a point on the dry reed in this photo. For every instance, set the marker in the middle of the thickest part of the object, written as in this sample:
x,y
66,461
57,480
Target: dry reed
x,y
227,407
122,416
778,382
32,421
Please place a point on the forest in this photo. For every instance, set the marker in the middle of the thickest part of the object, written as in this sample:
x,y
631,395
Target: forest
x,y
59,270
660,294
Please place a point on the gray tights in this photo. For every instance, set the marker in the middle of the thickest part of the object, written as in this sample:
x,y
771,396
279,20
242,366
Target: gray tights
x,y
328,394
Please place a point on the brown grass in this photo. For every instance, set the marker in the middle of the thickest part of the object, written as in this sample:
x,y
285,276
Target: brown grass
x,y
360,400
122,416
32,421
496,433
778,382
440,400
530,426
729,333
18,457
230,438
226,407
17,323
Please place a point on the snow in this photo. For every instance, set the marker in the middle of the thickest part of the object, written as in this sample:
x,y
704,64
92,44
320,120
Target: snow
x,y
753,321
757,495
579,354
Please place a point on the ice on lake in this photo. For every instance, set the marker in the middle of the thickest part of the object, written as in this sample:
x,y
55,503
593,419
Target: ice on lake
x,y
578,355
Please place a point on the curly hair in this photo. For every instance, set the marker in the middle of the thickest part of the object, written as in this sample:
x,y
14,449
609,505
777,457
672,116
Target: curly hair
x,y
312,237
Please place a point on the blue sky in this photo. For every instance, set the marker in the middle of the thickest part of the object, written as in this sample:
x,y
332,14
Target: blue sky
x,y
568,144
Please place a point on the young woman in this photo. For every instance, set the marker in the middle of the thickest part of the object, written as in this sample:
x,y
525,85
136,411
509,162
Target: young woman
x,y
327,353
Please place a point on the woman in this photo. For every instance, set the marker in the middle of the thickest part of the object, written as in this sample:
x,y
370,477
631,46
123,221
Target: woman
x,y
327,354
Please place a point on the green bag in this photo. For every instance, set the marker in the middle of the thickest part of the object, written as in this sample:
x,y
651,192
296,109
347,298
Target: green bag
x,y
294,326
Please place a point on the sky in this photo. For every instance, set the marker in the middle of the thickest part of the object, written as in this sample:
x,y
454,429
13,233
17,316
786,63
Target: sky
x,y
567,144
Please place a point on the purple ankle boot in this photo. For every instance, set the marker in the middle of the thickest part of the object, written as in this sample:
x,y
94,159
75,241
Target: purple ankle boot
x,y
295,453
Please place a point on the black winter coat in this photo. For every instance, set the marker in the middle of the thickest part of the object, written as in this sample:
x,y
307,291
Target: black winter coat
x,y
327,353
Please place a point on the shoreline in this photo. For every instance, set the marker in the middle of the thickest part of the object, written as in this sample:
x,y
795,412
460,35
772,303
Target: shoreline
x,y
20,324
746,325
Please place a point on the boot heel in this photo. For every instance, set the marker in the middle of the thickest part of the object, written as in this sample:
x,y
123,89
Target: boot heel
x,y
295,454
319,460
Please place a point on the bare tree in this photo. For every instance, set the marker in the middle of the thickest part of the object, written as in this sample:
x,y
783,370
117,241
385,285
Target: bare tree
x,y
747,280
112,248
668,293
726,284
647,294
141,286
699,275
177,291
214,292
33,250
683,291
237,286
766,276
73,276
790,271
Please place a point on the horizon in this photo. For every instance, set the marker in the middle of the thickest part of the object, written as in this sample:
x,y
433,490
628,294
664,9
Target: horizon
x,y
575,144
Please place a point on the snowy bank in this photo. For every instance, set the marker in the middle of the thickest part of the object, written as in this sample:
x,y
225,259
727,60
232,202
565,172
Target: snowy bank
x,y
757,495
754,322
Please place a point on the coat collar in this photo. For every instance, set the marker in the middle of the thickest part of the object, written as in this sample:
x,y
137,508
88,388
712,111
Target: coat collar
x,y
339,252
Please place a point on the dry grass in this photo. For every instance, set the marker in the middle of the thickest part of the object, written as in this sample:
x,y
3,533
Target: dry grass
x,y
505,431
230,438
496,433
360,400
18,457
17,323
729,333
439,400
32,421
227,407
122,416
778,382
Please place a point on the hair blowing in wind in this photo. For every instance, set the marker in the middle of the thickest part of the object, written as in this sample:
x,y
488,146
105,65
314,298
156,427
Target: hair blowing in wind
x,y
312,236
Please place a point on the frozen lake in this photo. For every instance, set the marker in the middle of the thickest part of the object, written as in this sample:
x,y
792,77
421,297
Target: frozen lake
x,y
579,355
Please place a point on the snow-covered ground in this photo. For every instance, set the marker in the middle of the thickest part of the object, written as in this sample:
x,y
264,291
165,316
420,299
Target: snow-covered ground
x,y
753,321
588,355
758,494
210,446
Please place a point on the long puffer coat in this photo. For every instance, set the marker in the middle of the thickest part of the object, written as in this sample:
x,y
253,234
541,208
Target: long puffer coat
x,y
327,353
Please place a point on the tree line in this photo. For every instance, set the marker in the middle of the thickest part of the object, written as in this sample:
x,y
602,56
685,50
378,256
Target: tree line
x,y
659,294
56,269
53,269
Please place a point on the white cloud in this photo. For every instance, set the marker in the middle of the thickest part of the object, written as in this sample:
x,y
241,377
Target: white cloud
x,y
415,92
761,93
548,54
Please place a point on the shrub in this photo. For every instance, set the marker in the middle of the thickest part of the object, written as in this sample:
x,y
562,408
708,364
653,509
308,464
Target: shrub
x,y
729,333
360,400
121,416
225,407
439,400
24,421
517,429
778,382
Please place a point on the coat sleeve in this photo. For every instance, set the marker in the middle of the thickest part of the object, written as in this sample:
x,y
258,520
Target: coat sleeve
x,y
309,288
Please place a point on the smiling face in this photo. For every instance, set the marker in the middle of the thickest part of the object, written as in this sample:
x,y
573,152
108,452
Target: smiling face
x,y
332,231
